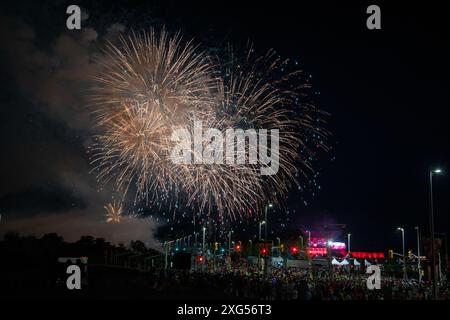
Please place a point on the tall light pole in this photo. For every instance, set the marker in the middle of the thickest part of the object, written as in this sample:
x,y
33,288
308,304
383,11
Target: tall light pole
x,y
229,241
348,241
260,224
265,223
433,254
308,255
204,236
265,219
165,256
418,253
403,248
309,237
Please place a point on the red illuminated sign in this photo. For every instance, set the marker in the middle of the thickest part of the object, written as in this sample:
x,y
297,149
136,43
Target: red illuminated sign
x,y
317,251
367,255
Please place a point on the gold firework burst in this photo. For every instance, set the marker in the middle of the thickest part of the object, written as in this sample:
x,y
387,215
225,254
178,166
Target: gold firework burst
x,y
113,212
149,85
152,84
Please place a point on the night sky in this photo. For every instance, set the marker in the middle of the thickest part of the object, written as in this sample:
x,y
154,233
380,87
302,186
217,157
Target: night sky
x,y
387,91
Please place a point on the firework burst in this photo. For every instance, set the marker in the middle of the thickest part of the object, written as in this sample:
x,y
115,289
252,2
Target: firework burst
x,y
260,92
151,85
113,212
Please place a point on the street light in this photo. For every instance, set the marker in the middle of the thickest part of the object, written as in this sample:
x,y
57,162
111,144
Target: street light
x,y
433,258
403,247
301,243
189,240
204,235
348,241
265,220
308,255
309,237
260,224
418,253
166,253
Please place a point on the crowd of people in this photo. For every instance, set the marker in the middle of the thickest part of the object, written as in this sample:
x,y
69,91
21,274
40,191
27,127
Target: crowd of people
x,y
297,284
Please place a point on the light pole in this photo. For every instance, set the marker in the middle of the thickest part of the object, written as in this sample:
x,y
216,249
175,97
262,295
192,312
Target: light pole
x,y
348,241
189,240
309,237
195,240
403,248
308,255
204,235
433,254
265,231
265,219
166,254
229,241
260,224
418,253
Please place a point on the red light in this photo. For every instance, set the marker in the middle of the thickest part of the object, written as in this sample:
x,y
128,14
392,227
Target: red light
x,y
200,258
294,250
238,248
368,255
263,251
317,251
